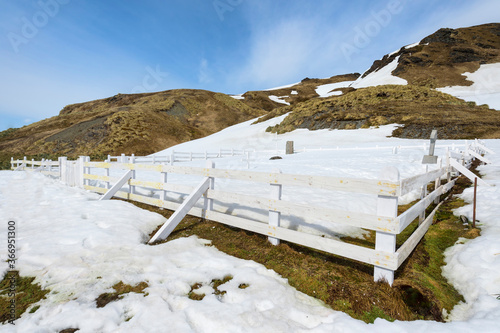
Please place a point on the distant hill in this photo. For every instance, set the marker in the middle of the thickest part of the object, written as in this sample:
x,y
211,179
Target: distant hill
x,y
399,88
136,123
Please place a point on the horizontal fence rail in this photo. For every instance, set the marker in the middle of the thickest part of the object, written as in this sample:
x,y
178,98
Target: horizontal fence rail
x,y
386,223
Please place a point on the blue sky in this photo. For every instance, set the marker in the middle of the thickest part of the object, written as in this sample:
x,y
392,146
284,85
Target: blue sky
x,y
59,52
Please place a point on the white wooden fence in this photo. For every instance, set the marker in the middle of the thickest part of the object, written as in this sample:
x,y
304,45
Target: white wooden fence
x,y
178,156
386,223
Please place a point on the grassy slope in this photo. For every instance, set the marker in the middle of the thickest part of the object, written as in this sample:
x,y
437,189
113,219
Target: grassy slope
x,y
140,124
420,109
306,90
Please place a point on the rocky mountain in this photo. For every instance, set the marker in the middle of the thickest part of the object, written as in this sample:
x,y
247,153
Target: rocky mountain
x,y
401,88
440,59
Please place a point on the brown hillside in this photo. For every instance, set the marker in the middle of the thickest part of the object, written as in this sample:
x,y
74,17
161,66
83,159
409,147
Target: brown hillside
x,y
305,91
441,58
419,109
138,123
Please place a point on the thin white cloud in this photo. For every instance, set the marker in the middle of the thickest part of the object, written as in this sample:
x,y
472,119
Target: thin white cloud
x,y
285,51
204,72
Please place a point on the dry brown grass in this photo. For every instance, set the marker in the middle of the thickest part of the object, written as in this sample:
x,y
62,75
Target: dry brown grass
x,y
442,58
306,89
419,109
139,124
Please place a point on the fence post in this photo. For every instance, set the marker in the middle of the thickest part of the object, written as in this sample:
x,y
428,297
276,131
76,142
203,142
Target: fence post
x,y
62,169
106,170
386,206
208,204
172,157
163,193
132,187
80,171
274,216
423,194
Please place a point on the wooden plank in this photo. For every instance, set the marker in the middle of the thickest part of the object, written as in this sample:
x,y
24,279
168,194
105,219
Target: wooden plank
x,y
99,177
467,173
118,185
413,212
407,248
181,212
486,149
415,182
479,157
163,186
357,185
356,219
332,246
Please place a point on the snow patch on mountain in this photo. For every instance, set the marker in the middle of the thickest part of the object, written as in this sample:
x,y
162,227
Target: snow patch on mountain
x,y
484,90
380,77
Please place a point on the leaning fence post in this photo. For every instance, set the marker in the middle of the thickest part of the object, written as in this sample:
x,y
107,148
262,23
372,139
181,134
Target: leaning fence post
x,y
274,216
386,206
172,157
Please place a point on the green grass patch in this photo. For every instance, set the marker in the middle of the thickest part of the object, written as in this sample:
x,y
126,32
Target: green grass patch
x,y
120,290
22,292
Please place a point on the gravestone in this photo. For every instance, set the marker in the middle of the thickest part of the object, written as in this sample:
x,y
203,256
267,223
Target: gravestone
x,y
431,159
289,147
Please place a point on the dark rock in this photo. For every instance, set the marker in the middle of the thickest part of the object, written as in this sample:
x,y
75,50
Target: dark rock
x,y
463,54
276,158
444,35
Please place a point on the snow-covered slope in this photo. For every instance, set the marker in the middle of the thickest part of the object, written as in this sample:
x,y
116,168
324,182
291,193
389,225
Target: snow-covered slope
x,y
79,247
485,88
380,77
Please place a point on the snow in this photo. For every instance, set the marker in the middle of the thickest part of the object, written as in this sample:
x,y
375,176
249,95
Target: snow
x,y
406,47
484,90
380,77
240,96
278,99
79,247
294,92
325,90
283,87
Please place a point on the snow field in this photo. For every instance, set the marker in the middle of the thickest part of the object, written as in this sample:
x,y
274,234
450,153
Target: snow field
x,y
78,248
